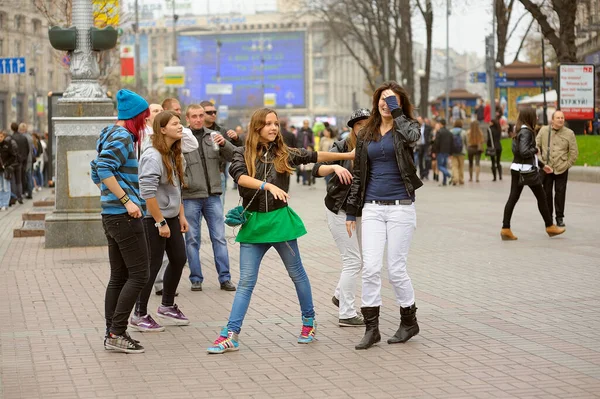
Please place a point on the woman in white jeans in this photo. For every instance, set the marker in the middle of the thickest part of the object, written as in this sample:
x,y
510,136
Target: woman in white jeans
x,y
383,186
338,187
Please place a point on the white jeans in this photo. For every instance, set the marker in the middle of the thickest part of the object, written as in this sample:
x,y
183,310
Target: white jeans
x,y
349,248
394,225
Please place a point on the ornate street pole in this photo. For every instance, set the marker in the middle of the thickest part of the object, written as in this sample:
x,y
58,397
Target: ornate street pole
x,y
84,86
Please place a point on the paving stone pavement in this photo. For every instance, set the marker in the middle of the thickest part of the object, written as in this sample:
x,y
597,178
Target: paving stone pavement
x,y
498,319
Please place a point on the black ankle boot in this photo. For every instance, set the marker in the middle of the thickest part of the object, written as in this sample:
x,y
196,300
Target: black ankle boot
x,y
372,336
408,325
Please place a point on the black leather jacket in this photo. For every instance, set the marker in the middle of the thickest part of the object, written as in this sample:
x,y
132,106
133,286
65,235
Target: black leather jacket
x,y
264,201
523,146
406,133
337,192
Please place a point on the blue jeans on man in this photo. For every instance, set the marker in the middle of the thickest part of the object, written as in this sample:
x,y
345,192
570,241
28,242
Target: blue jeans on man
x,y
250,258
443,166
212,209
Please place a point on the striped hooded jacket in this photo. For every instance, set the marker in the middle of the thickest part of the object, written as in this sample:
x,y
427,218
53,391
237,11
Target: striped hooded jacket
x,y
117,157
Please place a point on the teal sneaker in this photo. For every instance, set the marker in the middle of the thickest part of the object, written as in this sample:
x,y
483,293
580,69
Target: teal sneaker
x,y
225,343
309,330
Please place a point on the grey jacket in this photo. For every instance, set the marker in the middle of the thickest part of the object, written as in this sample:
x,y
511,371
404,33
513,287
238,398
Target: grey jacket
x,y
154,183
202,174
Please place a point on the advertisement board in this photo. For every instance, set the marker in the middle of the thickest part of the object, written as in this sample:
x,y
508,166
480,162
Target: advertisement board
x,y
576,91
259,66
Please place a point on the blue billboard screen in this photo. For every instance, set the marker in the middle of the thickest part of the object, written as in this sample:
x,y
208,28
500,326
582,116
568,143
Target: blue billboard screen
x,y
248,62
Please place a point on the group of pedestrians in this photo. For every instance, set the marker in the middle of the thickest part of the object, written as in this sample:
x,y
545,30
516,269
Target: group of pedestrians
x,y
23,158
157,180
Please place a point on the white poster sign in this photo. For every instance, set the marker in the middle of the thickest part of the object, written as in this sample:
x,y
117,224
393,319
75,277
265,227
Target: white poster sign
x,y
576,91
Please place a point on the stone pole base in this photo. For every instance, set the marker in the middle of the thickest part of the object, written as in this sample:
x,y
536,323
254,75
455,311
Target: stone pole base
x,y
76,220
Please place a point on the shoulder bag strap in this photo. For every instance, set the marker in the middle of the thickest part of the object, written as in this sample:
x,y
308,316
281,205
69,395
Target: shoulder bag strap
x,y
549,136
491,138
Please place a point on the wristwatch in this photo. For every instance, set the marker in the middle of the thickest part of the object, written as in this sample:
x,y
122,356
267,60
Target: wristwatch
x,y
161,223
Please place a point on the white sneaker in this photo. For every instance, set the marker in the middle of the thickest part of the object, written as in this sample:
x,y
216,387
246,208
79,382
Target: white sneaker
x,y
3,209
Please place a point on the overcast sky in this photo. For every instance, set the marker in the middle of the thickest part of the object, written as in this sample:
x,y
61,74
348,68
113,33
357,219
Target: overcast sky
x,y
470,21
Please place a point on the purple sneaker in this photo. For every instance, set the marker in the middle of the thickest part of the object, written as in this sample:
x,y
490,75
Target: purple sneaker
x,y
145,324
173,315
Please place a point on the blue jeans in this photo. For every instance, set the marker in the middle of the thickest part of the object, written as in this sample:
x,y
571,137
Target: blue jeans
x,y
37,177
250,258
212,209
4,191
443,166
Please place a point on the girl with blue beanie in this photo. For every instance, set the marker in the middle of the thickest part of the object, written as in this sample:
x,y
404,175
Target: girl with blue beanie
x,y
115,171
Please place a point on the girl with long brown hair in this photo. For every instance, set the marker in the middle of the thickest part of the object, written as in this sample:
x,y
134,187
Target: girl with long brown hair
x,y
383,188
262,169
161,178
338,188
474,149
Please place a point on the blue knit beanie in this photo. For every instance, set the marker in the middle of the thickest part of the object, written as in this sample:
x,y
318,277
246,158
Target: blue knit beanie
x,y
130,104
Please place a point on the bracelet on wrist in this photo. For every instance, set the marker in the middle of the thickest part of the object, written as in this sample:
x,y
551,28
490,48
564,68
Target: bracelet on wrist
x,y
262,186
124,199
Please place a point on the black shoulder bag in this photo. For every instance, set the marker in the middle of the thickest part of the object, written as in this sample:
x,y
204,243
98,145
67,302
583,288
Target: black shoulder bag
x,y
490,151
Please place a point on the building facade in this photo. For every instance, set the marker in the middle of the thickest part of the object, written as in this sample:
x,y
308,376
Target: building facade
x,y
23,97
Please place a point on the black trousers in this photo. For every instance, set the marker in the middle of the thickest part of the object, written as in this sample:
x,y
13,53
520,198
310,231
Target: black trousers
x,y
16,184
128,255
175,248
515,194
559,182
496,163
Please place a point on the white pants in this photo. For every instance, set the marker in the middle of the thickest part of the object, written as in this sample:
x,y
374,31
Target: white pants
x,y
349,248
394,225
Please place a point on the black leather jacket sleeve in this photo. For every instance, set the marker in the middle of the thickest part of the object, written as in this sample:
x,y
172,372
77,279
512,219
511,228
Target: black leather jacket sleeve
x,y
409,130
354,202
524,145
301,156
238,164
338,146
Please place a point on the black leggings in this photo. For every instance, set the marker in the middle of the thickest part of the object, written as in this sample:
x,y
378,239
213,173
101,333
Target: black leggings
x,y
473,153
128,256
496,163
515,194
175,248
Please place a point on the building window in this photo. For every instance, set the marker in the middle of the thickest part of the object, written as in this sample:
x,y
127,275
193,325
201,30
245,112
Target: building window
x,y
2,20
18,21
37,26
318,41
320,100
17,47
319,68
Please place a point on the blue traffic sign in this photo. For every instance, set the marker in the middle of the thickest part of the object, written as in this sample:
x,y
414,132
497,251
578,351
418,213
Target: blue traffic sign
x,y
477,77
12,65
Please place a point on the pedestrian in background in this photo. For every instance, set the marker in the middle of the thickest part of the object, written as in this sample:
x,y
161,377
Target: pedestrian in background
x,y
383,186
115,171
336,200
494,148
9,161
459,147
443,148
474,149
558,147
526,160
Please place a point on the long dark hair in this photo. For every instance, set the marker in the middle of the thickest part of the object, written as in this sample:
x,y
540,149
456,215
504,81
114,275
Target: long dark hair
x,y
371,129
527,117
170,155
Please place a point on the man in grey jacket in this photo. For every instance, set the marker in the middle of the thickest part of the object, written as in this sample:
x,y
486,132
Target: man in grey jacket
x,y
201,197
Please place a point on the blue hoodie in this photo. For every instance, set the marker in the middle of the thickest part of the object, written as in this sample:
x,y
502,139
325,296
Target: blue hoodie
x,y
117,157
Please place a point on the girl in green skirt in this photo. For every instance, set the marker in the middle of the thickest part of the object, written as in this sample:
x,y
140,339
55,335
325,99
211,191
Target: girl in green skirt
x,y
262,171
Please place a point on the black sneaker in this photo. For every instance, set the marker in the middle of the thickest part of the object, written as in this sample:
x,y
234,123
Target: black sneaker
x,y
227,286
355,321
197,286
560,222
123,343
335,301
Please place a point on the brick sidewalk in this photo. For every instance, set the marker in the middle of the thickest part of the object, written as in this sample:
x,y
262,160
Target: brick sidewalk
x,y
498,319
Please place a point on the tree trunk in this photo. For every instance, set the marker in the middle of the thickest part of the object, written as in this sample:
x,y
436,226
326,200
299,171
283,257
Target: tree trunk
x,y
503,13
406,53
427,14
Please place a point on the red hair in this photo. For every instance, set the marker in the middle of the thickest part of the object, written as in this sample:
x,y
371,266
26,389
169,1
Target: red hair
x,y
137,124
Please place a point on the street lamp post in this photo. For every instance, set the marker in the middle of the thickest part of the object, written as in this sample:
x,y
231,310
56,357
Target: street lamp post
x,y
423,97
447,107
545,117
262,45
